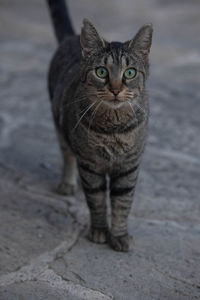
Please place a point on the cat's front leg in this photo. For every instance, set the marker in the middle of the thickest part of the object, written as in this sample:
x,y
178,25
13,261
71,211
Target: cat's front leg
x,y
94,186
122,187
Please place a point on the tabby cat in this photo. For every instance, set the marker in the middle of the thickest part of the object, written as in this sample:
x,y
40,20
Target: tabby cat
x,y
100,109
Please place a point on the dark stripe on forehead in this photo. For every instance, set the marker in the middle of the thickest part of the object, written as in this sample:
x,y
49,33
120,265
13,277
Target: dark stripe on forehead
x,y
112,54
116,50
127,61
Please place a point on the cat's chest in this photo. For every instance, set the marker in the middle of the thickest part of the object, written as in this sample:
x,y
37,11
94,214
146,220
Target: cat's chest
x,y
111,147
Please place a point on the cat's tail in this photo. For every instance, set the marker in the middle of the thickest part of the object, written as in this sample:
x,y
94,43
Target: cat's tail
x,y
60,19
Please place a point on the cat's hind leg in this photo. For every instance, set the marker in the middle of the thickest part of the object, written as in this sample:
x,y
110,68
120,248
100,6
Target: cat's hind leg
x,y
68,182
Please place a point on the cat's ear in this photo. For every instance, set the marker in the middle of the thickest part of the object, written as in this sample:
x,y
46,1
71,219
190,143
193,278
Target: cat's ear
x,y
141,43
90,39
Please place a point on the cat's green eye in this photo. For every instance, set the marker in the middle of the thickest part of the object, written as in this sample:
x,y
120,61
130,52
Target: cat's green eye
x,y
101,72
130,73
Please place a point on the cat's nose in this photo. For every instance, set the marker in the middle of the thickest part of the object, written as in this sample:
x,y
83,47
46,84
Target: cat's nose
x,y
115,91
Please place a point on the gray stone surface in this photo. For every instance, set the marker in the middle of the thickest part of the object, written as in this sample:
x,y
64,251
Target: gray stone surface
x,y
44,251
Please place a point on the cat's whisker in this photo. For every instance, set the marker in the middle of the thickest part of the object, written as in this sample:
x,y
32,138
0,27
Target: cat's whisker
x,y
94,94
93,116
85,111
126,98
133,111
83,99
140,108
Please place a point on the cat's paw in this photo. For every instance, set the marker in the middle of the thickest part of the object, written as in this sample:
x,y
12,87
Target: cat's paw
x,y
121,243
98,235
66,189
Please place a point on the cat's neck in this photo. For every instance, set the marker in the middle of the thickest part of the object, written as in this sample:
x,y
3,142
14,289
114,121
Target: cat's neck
x,y
103,118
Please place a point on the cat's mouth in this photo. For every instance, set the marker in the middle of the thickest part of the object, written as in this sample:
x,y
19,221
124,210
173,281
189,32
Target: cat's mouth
x,y
114,103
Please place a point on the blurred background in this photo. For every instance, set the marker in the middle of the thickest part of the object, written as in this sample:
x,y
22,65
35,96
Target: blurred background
x,y
165,215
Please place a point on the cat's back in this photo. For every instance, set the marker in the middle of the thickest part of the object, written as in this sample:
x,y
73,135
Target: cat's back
x,y
64,65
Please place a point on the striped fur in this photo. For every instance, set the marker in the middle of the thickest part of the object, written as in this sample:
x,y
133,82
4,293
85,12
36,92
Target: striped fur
x,y
102,138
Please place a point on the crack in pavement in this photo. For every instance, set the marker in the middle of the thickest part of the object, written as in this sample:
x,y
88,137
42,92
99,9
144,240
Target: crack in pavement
x,y
62,207
39,264
74,289
65,207
38,270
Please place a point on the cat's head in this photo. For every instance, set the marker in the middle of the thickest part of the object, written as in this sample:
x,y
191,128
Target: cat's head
x,y
114,72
